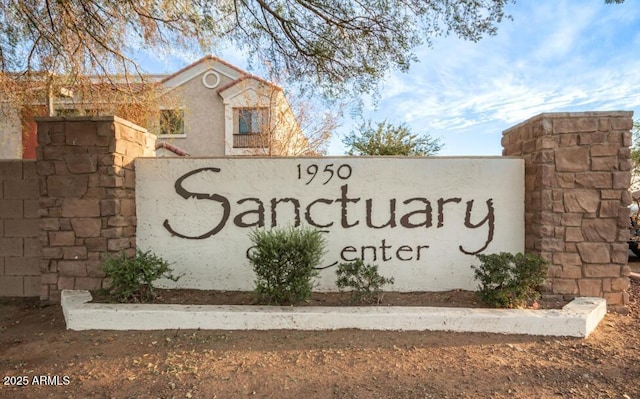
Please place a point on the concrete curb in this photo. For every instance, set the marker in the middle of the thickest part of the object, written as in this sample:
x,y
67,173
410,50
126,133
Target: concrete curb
x,y
577,319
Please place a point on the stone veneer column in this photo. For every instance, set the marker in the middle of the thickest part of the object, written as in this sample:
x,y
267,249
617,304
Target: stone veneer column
x,y
577,176
86,175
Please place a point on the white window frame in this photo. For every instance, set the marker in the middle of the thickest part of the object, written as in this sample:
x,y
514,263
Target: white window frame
x,y
184,125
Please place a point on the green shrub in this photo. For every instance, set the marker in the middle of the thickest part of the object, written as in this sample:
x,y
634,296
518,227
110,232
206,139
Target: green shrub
x,y
132,278
364,281
284,261
508,280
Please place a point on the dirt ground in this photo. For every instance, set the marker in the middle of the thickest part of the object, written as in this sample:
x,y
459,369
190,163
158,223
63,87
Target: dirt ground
x,y
455,299
50,362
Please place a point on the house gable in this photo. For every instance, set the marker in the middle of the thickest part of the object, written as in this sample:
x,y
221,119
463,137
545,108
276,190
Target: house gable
x,y
209,69
198,111
246,92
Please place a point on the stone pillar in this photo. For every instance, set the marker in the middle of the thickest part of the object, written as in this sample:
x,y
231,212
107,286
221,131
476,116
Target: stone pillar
x,y
577,176
86,177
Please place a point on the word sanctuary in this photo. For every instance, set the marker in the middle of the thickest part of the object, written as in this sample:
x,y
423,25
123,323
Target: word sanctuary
x,y
340,212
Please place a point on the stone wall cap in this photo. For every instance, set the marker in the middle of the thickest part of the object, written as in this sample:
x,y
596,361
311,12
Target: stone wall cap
x,y
557,115
107,118
347,157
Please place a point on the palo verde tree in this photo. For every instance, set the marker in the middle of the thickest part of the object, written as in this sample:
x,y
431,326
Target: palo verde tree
x,y
331,45
387,139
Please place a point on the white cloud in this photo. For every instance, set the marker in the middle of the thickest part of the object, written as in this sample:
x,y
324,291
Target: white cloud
x,y
554,57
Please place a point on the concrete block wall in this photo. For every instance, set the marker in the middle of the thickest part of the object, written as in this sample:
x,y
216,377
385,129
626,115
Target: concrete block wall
x,y
87,197
577,176
19,229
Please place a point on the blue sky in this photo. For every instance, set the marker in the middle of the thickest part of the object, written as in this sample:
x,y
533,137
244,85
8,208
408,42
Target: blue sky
x,y
554,56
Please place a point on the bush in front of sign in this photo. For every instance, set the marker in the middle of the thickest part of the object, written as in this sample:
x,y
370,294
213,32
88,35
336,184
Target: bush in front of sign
x,y
508,280
285,261
363,279
132,278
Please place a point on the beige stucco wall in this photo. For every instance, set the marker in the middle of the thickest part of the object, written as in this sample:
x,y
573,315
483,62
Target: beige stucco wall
x,y
204,117
10,133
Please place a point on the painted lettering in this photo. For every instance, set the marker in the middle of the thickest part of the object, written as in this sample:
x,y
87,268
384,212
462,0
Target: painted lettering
x,y
349,249
417,212
384,248
344,200
426,212
441,203
392,214
296,210
343,172
419,249
310,220
370,253
490,219
404,248
373,252
184,193
259,212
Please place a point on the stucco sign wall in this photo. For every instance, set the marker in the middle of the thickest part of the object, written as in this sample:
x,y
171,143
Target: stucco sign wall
x,y
422,220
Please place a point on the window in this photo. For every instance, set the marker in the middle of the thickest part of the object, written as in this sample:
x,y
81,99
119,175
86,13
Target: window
x,y
250,127
171,122
251,120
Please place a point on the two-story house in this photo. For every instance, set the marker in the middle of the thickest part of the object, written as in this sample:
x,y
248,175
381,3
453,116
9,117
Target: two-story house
x,y
209,108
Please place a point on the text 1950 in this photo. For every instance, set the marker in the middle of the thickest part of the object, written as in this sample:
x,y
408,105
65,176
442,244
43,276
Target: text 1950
x,y
330,170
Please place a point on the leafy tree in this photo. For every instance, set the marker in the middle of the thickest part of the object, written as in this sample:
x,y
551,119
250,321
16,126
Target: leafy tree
x,y
331,45
387,139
